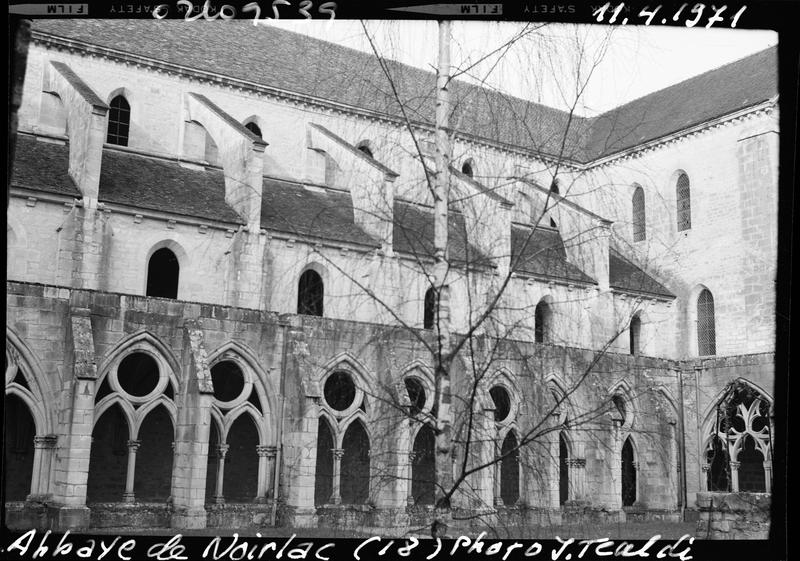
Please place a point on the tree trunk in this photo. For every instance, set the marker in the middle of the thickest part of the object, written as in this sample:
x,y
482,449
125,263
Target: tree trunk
x,y
442,360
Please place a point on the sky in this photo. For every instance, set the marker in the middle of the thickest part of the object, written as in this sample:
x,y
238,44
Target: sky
x,y
618,64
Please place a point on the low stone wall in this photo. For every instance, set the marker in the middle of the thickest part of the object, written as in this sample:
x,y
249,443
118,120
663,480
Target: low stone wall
x,y
25,515
134,515
734,516
239,515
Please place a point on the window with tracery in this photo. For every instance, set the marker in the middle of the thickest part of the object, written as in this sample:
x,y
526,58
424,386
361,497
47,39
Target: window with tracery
x,y
706,324
639,216
739,450
684,203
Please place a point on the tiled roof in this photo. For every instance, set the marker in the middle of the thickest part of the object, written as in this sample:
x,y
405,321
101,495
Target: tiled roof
x,y
413,233
541,252
624,275
296,63
130,179
42,166
293,209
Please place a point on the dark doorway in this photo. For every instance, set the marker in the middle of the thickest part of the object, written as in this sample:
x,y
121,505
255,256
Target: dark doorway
x,y
108,460
310,294
509,470
355,465
153,479
240,484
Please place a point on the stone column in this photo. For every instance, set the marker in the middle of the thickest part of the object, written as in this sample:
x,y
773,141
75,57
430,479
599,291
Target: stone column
x,y
42,459
768,476
576,468
498,474
735,476
336,497
219,496
410,490
266,466
133,446
704,479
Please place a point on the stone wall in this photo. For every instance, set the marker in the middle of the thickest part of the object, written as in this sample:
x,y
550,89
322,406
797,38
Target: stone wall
x,y
734,516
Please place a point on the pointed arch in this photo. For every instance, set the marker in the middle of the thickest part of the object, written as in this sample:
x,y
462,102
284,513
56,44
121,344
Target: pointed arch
x,y
349,363
423,471
323,474
639,214
249,410
140,340
160,401
127,410
355,464
628,460
510,468
621,389
108,457
20,355
119,120
543,320
153,470
238,351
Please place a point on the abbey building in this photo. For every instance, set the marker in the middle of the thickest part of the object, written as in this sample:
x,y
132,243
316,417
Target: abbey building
x,y
221,309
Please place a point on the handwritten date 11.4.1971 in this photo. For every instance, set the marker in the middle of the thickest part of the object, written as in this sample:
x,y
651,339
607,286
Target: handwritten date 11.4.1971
x,y
690,16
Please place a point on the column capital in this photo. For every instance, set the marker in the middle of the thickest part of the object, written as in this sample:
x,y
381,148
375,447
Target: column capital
x,y
222,449
266,450
735,466
338,453
133,445
412,456
46,441
706,467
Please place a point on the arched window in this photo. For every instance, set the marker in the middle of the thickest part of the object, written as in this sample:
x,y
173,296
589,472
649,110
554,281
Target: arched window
x,y
542,318
429,313
310,294
323,478
467,168
684,202
119,121
706,329
628,474
509,470
502,403
423,469
355,464
252,127
639,216
162,274
634,331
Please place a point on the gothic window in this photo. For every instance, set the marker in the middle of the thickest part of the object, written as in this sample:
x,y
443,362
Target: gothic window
x,y
509,470
119,121
740,448
423,470
542,318
684,203
619,405
634,331
228,380
310,294
706,328
355,464
429,311
252,127
563,469
162,274
639,216
323,478
628,474
502,403
416,395
339,391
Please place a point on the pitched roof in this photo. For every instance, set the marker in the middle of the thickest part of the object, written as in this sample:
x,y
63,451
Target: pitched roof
x,y
42,166
413,233
540,251
292,62
293,209
624,275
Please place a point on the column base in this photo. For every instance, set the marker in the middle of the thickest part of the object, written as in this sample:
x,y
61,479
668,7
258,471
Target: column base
x,y
188,518
61,518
